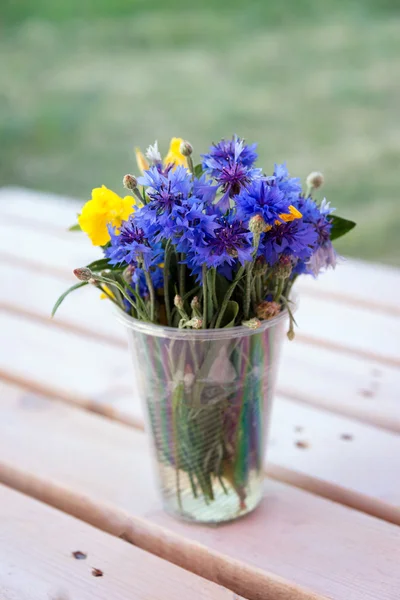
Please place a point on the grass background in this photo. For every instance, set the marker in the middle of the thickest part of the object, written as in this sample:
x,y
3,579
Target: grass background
x,y
316,83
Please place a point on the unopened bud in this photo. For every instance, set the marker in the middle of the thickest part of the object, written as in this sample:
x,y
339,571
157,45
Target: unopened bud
x,y
185,148
178,302
268,310
315,180
130,182
260,266
283,268
127,274
196,323
290,334
83,273
257,224
195,303
252,323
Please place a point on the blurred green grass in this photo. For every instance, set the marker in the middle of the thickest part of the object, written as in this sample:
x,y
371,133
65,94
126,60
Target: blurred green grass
x,y
315,83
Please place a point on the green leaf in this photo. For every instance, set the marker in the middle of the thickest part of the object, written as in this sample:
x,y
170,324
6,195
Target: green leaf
x,y
102,264
198,170
65,294
230,314
75,227
340,226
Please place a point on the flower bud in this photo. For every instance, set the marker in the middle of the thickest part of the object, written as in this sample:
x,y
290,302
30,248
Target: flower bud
x,y
260,266
127,274
195,303
290,334
178,302
315,180
196,323
130,182
268,310
283,268
185,148
257,224
252,323
83,273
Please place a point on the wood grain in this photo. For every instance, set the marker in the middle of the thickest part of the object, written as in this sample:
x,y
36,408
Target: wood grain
x,y
78,461
37,544
102,383
353,282
359,388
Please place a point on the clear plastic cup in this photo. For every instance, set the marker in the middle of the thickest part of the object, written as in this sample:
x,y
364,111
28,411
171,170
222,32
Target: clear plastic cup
x,y
207,395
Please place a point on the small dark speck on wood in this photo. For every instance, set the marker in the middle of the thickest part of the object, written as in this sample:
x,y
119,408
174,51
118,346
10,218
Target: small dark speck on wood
x,y
302,444
346,436
97,573
367,393
79,555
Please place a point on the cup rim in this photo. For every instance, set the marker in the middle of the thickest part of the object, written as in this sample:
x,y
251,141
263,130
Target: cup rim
x,y
165,331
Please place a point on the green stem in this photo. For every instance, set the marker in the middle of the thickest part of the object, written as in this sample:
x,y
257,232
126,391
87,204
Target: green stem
x,y
190,164
210,296
214,287
205,296
279,289
182,275
228,295
259,289
119,287
152,295
167,262
247,292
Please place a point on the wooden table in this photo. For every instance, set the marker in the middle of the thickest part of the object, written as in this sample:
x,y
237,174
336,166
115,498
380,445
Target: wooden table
x,y
75,470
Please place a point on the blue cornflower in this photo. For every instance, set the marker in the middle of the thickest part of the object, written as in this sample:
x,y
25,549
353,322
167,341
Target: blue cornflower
x,y
290,186
324,255
204,190
229,243
193,227
129,246
228,151
296,239
263,199
166,189
230,163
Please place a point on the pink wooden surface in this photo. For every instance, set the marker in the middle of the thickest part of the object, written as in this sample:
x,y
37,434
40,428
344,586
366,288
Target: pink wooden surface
x,y
334,435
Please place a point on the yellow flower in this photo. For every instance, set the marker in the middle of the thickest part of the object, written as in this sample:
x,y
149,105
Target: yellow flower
x,y
174,155
105,296
141,160
291,216
104,207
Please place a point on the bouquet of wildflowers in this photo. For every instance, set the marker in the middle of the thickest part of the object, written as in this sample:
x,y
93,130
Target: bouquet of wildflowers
x,y
215,245
207,247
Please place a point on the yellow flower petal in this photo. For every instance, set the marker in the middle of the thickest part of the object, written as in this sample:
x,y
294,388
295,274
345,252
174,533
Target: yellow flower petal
x,y
109,292
105,207
291,216
141,160
174,155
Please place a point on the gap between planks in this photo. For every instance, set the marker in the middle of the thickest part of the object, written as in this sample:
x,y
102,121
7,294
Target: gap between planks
x,y
59,232
325,489
66,324
235,575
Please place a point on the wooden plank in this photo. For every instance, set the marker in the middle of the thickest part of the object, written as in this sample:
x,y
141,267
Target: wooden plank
x,y
37,544
103,382
359,388
353,282
353,330
314,543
